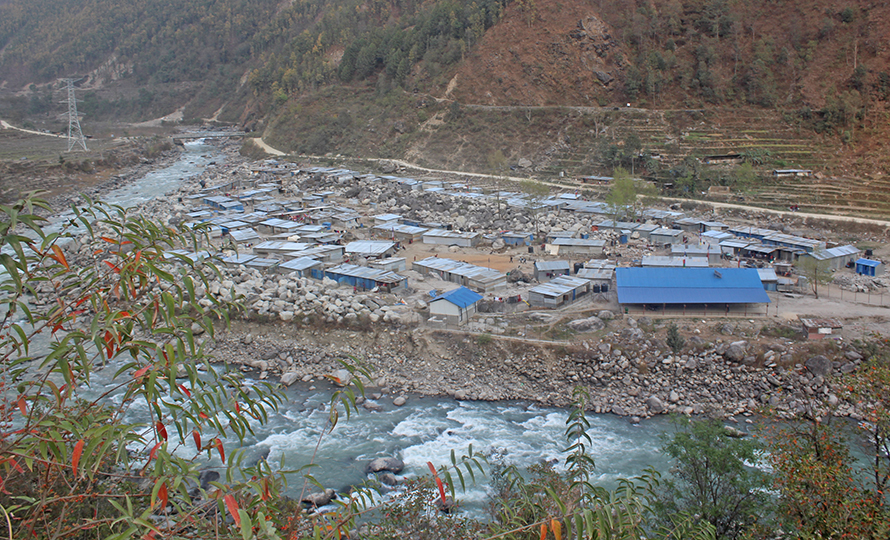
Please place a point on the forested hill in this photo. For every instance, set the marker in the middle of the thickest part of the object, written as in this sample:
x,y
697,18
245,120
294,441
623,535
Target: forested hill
x,y
321,66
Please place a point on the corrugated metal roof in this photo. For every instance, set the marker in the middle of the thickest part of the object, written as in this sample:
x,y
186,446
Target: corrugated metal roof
x,y
835,252
365,272
666,232
369,247
469,271
675,262
586,242
544,266
301,263
461,297
596,274
767,274
694,249
690,286
445,233
404,229
559,286
868,262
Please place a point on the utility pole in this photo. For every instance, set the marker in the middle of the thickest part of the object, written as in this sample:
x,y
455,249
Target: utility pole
x,y
75,135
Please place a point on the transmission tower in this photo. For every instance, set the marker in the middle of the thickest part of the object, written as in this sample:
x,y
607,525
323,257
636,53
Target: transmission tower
x,y
75,135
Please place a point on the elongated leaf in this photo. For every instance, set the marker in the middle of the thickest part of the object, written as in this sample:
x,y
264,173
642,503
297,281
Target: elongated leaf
x,y
438,481
543,531
556,527
75,456
60,257
232,505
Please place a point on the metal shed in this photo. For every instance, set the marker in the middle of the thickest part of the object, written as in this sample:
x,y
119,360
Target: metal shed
x,y
666,236
518,238
303,267
868,267
660,261
712,253
559,292
837,257
366,278
547,270
451,238
371,248
478,278
455,307
586,247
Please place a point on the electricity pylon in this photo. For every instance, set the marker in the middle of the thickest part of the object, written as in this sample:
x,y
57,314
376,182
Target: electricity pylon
x,y
75,135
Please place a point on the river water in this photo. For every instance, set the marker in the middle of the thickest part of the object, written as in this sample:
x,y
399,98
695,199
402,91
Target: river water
x,y
424,430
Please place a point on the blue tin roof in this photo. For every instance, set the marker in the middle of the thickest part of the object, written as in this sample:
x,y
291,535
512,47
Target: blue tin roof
x,y
461,297
868,262
690,286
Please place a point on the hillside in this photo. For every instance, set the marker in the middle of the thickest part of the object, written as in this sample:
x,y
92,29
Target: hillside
x,y
558,87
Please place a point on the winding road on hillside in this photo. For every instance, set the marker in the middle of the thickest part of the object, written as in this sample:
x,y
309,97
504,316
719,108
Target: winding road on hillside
x,y
6,125
714,204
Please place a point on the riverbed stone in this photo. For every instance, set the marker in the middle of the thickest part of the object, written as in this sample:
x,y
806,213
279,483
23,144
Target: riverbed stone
x,y
819,365
391,464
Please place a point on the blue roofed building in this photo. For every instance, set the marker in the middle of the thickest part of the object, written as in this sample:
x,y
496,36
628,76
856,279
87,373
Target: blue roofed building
x,y
868,267
690,288
455,307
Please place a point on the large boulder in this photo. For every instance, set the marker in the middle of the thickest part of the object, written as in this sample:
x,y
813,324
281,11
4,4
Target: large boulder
x,y
590,324
319,499
655,405
391,464
736,351
819,365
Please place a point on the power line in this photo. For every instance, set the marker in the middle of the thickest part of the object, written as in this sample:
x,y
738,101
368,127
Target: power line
x,y
75,135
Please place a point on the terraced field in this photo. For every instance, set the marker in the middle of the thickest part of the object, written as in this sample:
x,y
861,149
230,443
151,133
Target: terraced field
x,y
673,135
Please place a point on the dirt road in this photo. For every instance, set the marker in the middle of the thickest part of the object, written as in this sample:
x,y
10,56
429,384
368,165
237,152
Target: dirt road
x,y
6,125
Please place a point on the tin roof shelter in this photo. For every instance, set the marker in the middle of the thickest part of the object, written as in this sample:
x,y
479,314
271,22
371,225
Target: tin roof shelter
x,y
868,267
559,292
371,248
456,306
475,277
673,286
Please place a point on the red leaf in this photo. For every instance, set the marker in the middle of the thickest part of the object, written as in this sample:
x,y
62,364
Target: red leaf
x,y
75,456
219,448
162,431
60,257
113,267
237,407
150,535
438,481
543,531
232,505
109,343
185,390
122,315
23,406
162,495
197,437
154,449
139,373
202,416
109,240
56,328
